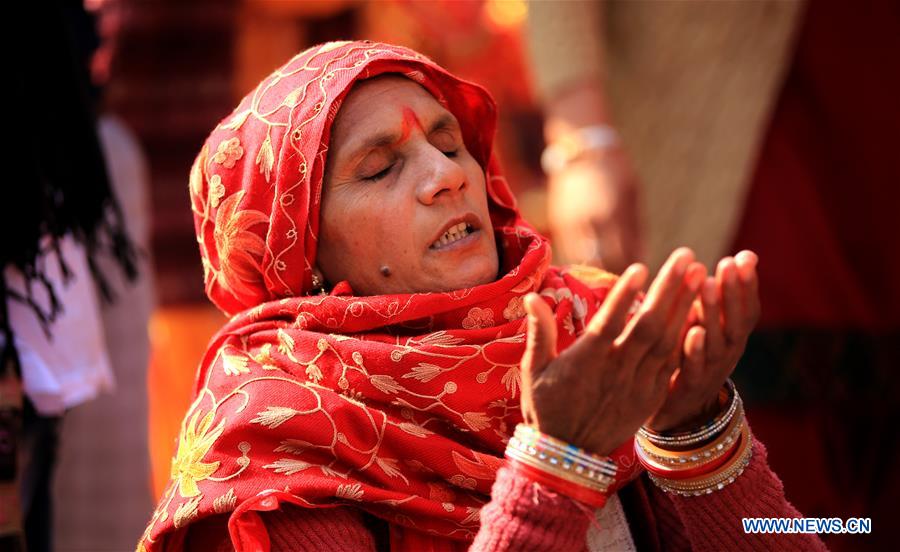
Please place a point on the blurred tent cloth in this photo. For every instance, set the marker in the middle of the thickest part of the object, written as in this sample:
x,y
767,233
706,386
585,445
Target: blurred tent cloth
x,y
772,126
103,493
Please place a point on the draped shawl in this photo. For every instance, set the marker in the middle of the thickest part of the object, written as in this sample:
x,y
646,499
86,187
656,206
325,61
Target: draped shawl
x,y
400,405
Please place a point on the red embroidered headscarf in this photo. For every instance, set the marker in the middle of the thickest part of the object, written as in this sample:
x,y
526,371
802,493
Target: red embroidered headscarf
x,y
400,405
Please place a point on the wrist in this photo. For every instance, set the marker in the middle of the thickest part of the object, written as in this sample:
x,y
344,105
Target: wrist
x,y
560,466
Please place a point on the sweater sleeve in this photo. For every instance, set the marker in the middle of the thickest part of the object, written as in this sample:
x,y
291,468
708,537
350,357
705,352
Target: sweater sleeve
x,y
520,516
713,522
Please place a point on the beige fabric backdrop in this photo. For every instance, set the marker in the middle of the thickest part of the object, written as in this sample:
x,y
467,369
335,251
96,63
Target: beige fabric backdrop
x,y
691,86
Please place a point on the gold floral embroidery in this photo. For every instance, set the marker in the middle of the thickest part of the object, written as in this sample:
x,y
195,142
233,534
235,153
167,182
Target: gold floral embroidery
x,y
186,512
240,250
193,444
228,152
349,492
216,190
225,503
515,309
478,318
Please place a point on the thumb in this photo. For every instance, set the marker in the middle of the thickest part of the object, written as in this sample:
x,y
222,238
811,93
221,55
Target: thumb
x,y
540,346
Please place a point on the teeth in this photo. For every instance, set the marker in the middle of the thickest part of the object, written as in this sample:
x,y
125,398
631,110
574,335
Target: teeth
x,y
452,234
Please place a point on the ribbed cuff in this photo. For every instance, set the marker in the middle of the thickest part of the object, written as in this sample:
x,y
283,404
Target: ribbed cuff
x,y
713,521
525,515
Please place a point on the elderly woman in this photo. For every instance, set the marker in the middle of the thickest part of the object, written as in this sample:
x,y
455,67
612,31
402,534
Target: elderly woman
x,y
397,330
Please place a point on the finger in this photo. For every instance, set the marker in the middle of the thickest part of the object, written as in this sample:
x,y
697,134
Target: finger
x,y
746,263
648,325
731,301
675,324
711,318
540,345
694,358
610,319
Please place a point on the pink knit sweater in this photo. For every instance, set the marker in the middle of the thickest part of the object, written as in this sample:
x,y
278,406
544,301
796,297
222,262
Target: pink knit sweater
x,y
522,516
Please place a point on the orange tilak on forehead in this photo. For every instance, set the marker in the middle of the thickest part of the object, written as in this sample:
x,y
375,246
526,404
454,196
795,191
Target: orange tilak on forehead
x,y
410,121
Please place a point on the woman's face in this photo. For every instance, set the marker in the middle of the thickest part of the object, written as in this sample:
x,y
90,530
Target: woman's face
x,y
404,205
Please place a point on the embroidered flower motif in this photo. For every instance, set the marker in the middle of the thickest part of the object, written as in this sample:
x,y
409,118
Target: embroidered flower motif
x,y
194,442
216,190
478,318
579,305
240,250
515,309
228,152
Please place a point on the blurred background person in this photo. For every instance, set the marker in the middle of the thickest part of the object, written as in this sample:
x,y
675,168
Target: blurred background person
x,y
105,494
750,125
59,218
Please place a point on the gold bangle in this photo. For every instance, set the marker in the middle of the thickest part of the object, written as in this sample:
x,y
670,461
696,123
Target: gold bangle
x,y
717,480
681,460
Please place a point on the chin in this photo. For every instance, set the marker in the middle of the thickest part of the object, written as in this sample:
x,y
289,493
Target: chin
x,y
484,273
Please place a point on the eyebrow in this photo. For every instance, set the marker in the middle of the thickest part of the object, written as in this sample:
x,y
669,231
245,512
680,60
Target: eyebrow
x,y
384,139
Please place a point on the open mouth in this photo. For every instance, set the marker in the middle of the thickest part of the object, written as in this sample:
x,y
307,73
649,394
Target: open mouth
x,y
453,234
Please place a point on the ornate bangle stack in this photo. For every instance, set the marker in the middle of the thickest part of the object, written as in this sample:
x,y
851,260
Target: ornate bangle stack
x,y
701,461
562,467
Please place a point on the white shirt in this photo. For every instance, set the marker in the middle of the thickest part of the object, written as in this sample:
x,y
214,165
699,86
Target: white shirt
x,y
71,366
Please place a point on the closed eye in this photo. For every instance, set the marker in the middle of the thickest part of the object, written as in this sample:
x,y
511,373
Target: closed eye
x,y
380,174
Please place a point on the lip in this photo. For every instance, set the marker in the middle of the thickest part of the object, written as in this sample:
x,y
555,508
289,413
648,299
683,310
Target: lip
x,y
469,218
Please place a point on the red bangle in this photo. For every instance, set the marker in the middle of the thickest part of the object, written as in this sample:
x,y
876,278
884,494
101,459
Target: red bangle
x,y
567,488
689,473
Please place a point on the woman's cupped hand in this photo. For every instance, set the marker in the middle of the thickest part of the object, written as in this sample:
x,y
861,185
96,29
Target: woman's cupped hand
x,y
660,366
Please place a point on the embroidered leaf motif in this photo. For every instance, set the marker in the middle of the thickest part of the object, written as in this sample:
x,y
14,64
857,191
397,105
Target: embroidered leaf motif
x,y
476,420
385,383
511,380
424,372
225,503
390,467
313,373
332,473
285,343
237,121
288,466
274,416
234,365
186,512
266,158
473,515
293,446
440,338
414,429
349,491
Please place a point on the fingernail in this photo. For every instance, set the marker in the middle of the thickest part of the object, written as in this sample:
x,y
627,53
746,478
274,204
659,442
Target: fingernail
x,y
709,291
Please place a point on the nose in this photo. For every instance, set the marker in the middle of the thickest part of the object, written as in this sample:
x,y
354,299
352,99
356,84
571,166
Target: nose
x,y
442,176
